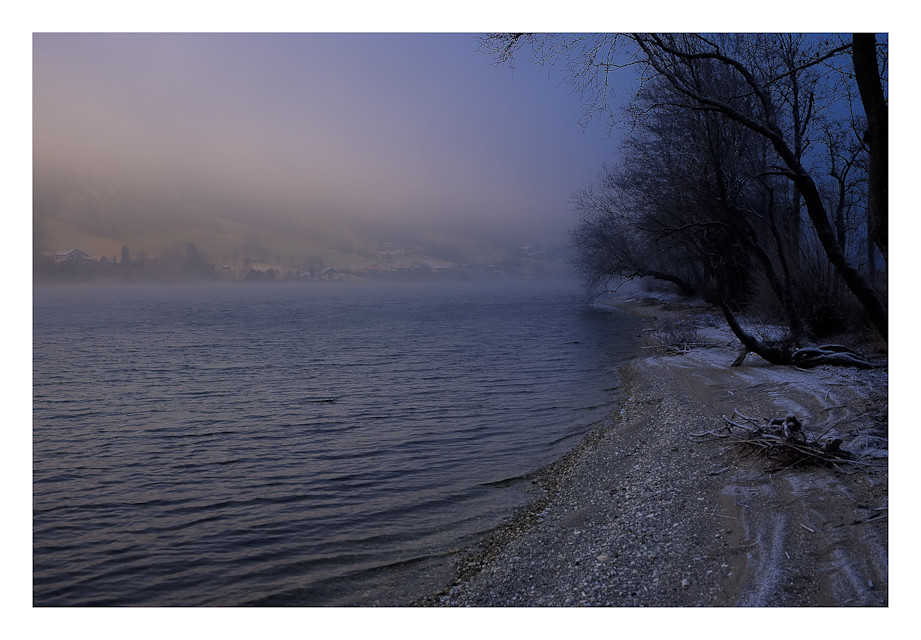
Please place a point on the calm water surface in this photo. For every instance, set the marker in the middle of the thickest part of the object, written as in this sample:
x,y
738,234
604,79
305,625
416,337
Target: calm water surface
x,y
312,445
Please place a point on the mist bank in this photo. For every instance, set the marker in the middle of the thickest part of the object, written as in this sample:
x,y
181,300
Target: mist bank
x,y
180,264
183,231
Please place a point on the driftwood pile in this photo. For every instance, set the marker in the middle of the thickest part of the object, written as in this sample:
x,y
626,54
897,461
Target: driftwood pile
x,y
784,442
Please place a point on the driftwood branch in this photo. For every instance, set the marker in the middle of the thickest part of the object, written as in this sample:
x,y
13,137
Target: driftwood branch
x,y
784,441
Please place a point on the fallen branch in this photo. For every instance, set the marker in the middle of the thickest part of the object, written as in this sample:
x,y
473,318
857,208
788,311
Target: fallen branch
x,y
784,441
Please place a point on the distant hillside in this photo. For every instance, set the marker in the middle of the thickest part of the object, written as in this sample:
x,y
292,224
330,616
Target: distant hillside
x,y
235,234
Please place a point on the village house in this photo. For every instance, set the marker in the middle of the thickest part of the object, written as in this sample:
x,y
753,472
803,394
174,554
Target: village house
x,y
329,274
71,255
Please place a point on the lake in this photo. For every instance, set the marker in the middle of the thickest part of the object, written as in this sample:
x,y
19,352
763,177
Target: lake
x,y
314,445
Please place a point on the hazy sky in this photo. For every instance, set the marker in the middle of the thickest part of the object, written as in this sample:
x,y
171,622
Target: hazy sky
x,y
391,126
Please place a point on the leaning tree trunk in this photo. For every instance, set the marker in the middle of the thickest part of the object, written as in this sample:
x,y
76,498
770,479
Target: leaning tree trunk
x,y
782,354
774,355
856,282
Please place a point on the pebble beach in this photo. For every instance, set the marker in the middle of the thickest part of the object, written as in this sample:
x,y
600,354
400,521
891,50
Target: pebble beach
x,y
644,513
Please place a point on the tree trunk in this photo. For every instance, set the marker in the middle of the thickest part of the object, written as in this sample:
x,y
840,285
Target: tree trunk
x,y
856,282
866,72
771,354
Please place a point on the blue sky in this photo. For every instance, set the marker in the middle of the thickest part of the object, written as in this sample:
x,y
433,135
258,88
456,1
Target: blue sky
x,y
420,127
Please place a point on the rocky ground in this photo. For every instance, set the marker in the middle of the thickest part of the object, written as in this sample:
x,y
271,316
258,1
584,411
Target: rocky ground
x,y
645,513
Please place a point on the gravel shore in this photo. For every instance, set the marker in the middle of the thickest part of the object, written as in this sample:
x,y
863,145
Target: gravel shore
x,y
644,514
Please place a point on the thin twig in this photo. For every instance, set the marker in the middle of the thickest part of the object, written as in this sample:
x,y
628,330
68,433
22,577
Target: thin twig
x,y
742,415
736,424
792,500
708,433
719,515
793,464
874,518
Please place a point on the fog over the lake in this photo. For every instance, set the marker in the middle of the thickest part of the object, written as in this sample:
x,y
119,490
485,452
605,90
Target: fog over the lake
x,y
404,129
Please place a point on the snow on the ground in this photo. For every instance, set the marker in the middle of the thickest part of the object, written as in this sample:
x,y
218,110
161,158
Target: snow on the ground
x,y
847,403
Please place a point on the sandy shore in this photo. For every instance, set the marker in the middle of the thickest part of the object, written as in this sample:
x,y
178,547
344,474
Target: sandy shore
x,y
644,514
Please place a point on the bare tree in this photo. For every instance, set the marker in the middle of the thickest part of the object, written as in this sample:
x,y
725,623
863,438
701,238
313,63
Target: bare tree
x,y
691,190
764,84
610,247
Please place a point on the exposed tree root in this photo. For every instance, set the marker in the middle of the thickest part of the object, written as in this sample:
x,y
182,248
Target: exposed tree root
x,y
784,354
809,357
833,354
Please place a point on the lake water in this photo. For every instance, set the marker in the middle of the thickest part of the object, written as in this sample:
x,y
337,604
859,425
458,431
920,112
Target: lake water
x,y
307,445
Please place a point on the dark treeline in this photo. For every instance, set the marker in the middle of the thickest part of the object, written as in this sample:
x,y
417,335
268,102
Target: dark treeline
x,y
179,262
754,173
184,263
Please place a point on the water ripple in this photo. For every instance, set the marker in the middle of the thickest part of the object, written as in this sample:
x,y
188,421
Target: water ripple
x,y
246,445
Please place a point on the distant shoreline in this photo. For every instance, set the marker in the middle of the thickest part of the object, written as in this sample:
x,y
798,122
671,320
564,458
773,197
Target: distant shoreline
x,y
345,279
